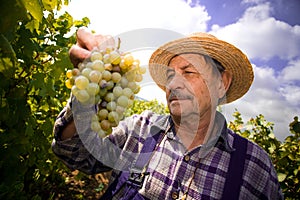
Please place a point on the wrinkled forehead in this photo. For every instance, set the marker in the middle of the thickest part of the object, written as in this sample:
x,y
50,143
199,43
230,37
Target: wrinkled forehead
x,y
193,60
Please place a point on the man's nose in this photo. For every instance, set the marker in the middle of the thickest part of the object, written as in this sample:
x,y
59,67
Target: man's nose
x,y
176,82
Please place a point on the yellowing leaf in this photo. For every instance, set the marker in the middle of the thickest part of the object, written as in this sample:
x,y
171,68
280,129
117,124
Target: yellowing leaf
x,y
281,177
32,25
50,4
34,8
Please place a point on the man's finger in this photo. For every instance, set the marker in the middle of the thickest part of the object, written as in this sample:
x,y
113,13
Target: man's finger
x,y
78,54
86,39
104,41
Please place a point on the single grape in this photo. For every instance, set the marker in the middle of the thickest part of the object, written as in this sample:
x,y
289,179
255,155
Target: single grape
x,y
106,58
117,91
109,97
130,76
102,114
95,126
142,70
75,72
116,77
120,109
69,73
127,92
132,85
74,90
105,125
123,101
128,59
111,106
106,75
86,72
95,76
113,116
68,84
93,89
123,82
81,82
82,96
137,89
138,77
89,65
122,65
98,65
95,117
110,85
115,57
96,55
102,92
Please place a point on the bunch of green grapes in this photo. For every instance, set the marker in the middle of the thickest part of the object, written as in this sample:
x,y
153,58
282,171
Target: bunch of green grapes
x,y
108,79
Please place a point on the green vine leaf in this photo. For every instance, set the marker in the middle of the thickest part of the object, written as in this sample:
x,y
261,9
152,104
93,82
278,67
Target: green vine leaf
x,y
34,8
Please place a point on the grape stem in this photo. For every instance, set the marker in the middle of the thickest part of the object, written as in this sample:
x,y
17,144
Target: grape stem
x,y
119,43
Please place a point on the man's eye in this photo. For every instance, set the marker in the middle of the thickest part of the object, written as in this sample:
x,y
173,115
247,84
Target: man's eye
x,y
190,72
170,77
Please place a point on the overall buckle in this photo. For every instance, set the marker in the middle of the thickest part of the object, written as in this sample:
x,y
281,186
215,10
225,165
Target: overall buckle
x,y
137,178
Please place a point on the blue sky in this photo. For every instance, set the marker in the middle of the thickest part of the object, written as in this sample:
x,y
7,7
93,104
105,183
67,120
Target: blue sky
x,y
268,32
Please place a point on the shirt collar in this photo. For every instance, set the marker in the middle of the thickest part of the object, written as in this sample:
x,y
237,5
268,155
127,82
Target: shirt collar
x,y
162,123
219,135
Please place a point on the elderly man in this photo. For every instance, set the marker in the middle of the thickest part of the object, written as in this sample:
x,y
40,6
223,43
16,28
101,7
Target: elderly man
x,y
189,154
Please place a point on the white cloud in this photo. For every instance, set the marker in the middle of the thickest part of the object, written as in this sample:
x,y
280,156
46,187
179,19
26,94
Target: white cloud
x,y
276,95
253,1
291,94
117,16
262,36
268,97
291,72
289,77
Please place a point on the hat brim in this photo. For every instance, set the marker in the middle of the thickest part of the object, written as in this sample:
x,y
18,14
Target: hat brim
x,y
230,57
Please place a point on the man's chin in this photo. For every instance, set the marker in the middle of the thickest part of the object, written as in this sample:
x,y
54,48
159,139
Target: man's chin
x,y
183,113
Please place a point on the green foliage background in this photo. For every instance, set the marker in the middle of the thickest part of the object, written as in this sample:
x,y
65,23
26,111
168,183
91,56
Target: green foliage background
x,y
34,55
34,44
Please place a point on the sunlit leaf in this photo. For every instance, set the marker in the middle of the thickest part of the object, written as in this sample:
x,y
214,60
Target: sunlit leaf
x,y
32,25
34,8
281,177
50,4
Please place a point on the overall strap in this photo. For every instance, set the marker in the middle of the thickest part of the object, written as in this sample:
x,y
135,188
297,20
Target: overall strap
x,y
234,178
139,167
135,177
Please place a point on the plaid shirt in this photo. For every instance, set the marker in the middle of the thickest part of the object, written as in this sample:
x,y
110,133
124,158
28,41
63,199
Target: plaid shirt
x,y
171,166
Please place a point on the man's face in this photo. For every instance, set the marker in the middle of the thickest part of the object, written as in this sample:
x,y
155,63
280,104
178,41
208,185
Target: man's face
x,y
192,86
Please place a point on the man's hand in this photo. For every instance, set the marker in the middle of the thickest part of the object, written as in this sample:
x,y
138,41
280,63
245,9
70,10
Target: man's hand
x,y
86,42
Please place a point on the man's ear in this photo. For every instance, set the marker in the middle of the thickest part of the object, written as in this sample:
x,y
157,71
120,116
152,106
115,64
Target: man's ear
x,y
226,78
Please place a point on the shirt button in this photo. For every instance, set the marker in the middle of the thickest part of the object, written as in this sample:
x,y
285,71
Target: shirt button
x,y
174,195
186,158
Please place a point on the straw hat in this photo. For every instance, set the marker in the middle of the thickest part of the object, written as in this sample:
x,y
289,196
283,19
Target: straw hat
x,y
230,57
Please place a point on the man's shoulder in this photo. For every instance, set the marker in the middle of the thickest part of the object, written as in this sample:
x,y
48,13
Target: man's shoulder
x,y
255,153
